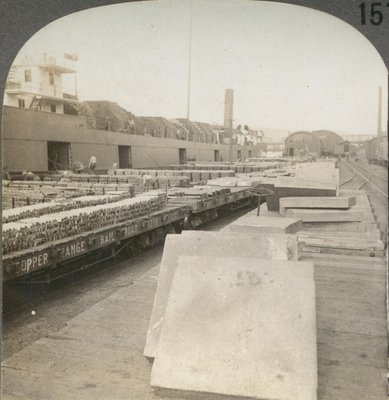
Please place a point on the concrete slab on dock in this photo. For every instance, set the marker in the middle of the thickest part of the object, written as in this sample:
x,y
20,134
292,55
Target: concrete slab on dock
x,y
275,246
323,172
246,327
291,187
306,183
211,244
336,226
316,202
265,225
319,215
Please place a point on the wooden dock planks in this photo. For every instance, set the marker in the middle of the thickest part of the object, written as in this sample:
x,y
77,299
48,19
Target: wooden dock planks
x,y
106,342
351,326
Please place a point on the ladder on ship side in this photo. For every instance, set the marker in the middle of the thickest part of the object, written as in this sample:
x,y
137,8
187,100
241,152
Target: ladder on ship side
x,y
36,101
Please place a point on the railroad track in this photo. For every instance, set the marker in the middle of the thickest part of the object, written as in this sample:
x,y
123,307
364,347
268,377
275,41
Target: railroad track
x,y
372,174
367,177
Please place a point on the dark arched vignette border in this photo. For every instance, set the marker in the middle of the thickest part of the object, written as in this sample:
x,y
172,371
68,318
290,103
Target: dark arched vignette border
x,y
20,19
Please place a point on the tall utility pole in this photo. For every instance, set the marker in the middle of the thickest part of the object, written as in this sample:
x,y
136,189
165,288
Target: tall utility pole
x,y
228,117
189,60
379,125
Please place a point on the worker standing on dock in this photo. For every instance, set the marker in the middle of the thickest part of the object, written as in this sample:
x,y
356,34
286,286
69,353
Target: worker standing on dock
x,y
92,164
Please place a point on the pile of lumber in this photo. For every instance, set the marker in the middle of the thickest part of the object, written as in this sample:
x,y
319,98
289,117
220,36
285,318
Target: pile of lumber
x,y
30,232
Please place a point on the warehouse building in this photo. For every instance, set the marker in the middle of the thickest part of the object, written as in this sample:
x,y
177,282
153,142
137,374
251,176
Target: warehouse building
x,y
302,143
320,143
328,140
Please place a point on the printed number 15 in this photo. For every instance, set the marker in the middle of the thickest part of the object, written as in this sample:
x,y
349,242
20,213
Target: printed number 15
x,y
376,15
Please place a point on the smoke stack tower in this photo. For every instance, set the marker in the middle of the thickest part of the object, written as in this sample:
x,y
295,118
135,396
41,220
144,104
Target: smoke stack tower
x,y
228,116
379,125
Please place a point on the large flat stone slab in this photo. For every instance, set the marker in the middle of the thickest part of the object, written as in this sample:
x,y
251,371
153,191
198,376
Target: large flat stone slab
x,y
275,246
316,202
264,224
374,234
308,183
239,327
209,244
295,188
312,215
323,172
336,226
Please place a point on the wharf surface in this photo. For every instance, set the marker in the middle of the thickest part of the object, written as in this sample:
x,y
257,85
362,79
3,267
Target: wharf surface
x,y
99,354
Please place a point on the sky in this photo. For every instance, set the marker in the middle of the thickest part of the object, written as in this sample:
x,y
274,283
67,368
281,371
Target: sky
x,y
290,67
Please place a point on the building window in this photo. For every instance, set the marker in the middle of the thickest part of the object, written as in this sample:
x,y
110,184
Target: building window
x,y
27,75
22,103
53,108
51,78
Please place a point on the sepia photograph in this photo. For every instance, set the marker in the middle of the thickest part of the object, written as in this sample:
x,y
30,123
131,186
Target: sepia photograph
x,y
195,203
